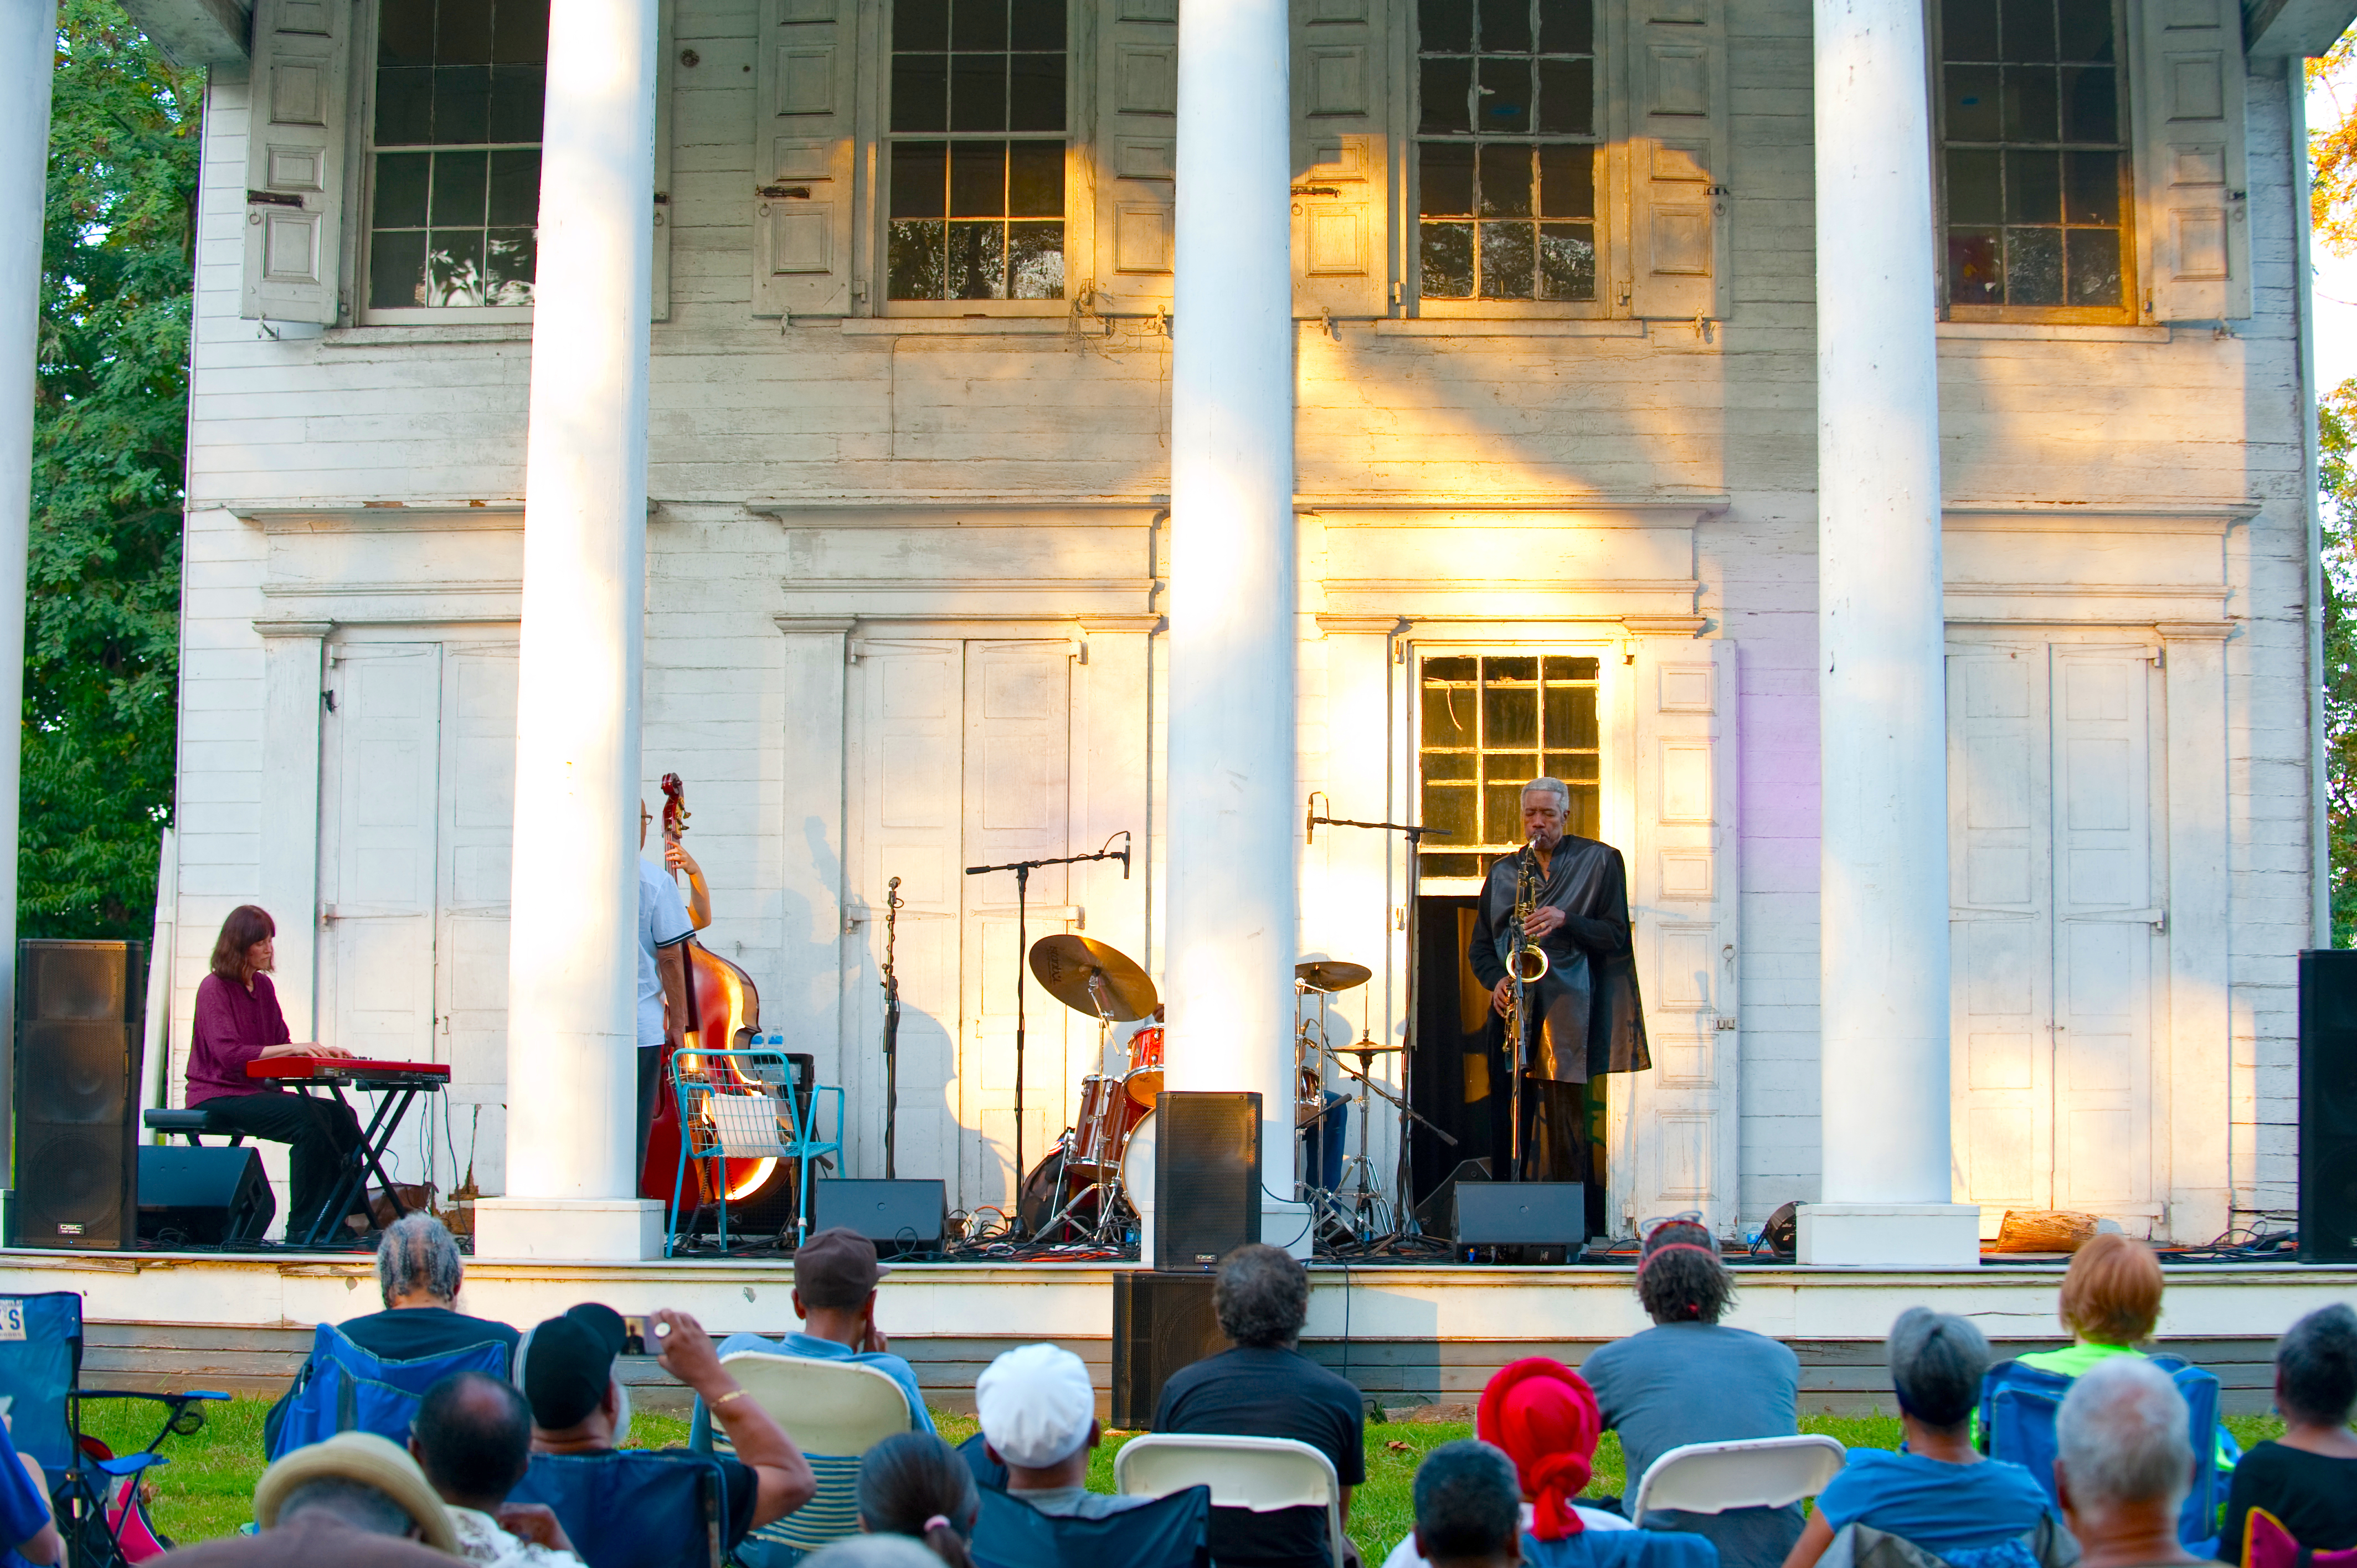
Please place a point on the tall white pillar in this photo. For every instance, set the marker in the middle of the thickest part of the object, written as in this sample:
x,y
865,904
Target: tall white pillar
x,y
572,1174
29,48
1233,813
1880,682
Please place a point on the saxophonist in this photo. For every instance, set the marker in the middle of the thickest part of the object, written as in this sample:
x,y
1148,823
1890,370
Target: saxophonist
x,y
1583,1016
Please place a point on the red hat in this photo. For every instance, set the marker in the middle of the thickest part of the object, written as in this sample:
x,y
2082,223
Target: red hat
x,y
1544,1415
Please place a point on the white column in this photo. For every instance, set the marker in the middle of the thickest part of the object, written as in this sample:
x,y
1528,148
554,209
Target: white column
x,y
29,37
573,964
1233,813
293,655
1884,901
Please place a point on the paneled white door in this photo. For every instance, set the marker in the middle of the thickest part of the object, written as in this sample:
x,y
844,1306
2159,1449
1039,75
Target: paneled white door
x,y
476,818
382,767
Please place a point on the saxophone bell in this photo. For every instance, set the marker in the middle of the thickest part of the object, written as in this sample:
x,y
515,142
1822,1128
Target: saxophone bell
x,y
1530,961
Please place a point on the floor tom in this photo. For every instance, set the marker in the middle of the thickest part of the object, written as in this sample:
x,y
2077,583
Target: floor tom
x,y
1102,1130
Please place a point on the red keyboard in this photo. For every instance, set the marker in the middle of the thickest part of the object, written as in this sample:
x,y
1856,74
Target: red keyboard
x,y
363,1073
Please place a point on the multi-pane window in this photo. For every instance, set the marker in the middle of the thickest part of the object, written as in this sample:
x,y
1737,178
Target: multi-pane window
x,y
1506,148
1490,724
2034,156
454,188
977,150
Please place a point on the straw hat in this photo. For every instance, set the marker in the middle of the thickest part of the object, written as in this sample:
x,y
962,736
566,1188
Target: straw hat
x,y
369,1459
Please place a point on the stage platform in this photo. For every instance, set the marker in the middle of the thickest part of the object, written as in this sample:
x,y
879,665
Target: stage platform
x,y
1407,1334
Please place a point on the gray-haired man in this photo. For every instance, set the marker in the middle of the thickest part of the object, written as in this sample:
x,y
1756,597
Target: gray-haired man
x,y
2123,1460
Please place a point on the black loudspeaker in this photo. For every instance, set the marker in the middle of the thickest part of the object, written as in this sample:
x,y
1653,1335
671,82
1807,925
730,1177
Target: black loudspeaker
x,y
1546,1221
2327,1106
1438,1213
904,1218
203,1196
1160,1323
1206,1178
81,1015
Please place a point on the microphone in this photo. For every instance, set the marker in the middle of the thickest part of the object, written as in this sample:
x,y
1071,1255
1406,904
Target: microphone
x,y
1309,820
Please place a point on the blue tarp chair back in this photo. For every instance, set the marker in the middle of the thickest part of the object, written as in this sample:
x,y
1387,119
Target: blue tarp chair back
x,y
40,1352
343,1387
2019,1405
633,1509
1622,1549
1168,1532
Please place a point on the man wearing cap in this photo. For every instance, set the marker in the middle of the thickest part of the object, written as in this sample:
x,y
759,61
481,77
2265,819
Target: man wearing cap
x,y
1039,1419
578,1406
354,1501
835,1295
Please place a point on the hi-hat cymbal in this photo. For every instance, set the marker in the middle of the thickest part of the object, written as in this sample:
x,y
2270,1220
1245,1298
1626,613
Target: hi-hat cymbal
x,y
1066,964
1331,974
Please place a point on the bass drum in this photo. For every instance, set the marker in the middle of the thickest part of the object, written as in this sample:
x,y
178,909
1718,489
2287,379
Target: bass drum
x,y
1138,1165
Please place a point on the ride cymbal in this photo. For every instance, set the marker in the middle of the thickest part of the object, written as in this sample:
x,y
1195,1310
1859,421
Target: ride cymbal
x,y
1066,964
1331,974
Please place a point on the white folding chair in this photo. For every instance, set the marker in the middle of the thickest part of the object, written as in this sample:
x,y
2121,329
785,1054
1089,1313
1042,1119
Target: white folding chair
x,y
1263,1474
1753,1473
834,1412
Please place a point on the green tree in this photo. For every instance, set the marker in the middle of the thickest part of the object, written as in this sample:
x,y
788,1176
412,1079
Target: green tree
x,y
109,449
2337,451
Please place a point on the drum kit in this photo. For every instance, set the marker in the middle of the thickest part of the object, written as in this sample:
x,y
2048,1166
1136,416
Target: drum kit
x,y
1101,1170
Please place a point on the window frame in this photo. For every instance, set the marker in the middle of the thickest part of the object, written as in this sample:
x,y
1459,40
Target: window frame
x,y
2130,310
1606,688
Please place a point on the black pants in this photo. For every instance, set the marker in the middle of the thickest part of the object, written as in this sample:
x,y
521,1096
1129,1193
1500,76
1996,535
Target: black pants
x,y
650,1085
320,1132
1554,1125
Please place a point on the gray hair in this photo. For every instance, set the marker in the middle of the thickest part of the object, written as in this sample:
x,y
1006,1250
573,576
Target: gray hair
x,y
2315,1367
1936,1362
2125,1435
417,1254
1261,1296
1468,1499
873,1551
356,1503
1545,785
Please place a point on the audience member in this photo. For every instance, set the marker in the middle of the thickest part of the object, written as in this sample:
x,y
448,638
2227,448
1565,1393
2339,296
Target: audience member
x,y
2307,1477
473,1439
915,1484
1039,1419
355,1501
835,1274
418,1275
2123,1462
1938,1491
1265,1388
1468,1509
1689,1378
27,1529
2110,1301
872,1551
578,1406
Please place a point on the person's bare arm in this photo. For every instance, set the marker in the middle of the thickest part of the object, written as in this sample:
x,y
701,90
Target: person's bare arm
x,y
1815,1536
1347,1490
535,1522
783,1480
699,897
670,962
45,1546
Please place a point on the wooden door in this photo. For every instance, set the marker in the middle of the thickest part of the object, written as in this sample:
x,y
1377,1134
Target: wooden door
x,y
378,902
476,812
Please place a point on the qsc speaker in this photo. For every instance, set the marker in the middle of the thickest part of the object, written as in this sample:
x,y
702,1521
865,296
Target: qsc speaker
x,y
203,1196
2327,1106
904,1218
80,1012
1206,1178
1160,1323
1545,1220
1438,1213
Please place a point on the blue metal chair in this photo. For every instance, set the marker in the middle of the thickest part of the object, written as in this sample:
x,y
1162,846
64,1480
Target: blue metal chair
x,y
755,1103
2019,1405
343,1387
1171,1531
634,1508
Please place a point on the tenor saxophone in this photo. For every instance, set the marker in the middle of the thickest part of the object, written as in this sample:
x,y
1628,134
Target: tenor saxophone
x,y
1526,965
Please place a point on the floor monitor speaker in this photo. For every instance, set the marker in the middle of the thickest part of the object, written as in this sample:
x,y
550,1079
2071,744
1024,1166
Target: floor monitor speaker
x,y
2327,1106
203,1196
1545,1221
1206,1178
904,1218
80,1018
1160,1323
1438,1213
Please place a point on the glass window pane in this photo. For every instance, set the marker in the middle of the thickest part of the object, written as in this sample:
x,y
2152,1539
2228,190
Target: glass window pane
x,y
1968,29
1445,178
400,189
920,179
920,93
1506,181
1505,26
458,189
2092,187
1970,104
405,32
1973,277
1517,668
2029,30
1974,193
1587,814
977,179
1449,716
978,261
1035,179
1445,260
1444,24
2033,188
1567,27
462,33
2030,104
1510,716
1567,96
1037,24
1567,182
1504,91
454,268
520,33
1448,764
1035,260
2033,266
2091,256
1554,666
978,24
462,104
1501,797
517,93
1449,807
2090,104
920,23
397,269
405,107
1445,95
1567,261
1571,717
1507,257
2086,31
509,258
914,260
977,91
515,188
1034,96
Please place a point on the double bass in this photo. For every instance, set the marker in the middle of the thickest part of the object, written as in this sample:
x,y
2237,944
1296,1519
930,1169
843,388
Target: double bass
x,y
724,1012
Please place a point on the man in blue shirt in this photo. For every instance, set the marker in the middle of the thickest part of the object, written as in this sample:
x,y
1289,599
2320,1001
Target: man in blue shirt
x,y
835,1273
663,930
27,1534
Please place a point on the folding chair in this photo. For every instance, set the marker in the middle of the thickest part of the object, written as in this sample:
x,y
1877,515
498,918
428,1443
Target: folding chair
x,y
93,1492
2019,1405
1262,1474
1622,1549
1749,1473
1172,1531
343,1387
631,1508
751,1104
835,1411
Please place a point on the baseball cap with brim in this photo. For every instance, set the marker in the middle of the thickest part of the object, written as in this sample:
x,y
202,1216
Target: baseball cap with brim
x,y
369,1459
567,1362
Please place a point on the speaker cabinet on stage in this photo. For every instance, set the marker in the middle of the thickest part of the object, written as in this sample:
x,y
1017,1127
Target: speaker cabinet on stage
x,y
1545,1221
1160,1323
904,1218
203,1196
2327,1106
82,1011
1206,1178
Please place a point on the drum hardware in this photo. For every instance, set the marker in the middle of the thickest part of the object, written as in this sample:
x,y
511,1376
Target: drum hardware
x,y
1330,974
893,904
1086,1191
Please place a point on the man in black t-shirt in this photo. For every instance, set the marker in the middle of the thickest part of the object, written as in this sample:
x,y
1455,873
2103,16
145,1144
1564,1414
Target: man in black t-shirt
x,y
1266,1388
418,1272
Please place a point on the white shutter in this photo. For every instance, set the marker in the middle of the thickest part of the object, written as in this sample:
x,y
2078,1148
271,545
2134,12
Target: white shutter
x,y
294,159
666,64
1678,159
1340,202
2195,233
477,812
1136,152
805,84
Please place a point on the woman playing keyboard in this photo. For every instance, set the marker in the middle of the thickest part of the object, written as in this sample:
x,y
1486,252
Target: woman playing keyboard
x,y
237,1021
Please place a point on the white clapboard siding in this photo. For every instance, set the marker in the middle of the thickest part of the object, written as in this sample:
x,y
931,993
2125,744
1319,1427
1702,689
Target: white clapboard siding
x,y
2193,178
806,72
294,159
1342,200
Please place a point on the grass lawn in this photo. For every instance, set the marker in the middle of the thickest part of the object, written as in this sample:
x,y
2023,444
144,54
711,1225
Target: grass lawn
x,y
208,1489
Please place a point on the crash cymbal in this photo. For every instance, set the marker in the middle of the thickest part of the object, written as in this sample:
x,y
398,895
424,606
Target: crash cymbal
x,y
1331,974
1065,964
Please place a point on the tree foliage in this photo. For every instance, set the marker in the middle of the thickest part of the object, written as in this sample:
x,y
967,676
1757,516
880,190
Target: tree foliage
x,y
2332,148
2337,449
109,449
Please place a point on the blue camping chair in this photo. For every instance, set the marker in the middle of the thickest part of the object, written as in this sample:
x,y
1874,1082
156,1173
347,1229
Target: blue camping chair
x,y
343,1387
1171,1531
41,1390
634,1510
753,1104
1622,1549
2019,1405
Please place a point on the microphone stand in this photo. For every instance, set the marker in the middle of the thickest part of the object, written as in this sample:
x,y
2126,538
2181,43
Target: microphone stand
x,y
893,903
1023,870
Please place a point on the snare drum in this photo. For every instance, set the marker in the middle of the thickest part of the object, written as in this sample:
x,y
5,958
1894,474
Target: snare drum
x,y
1138,1164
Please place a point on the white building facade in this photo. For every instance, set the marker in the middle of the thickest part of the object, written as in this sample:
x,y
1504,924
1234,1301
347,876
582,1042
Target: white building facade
x,y
1555,392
